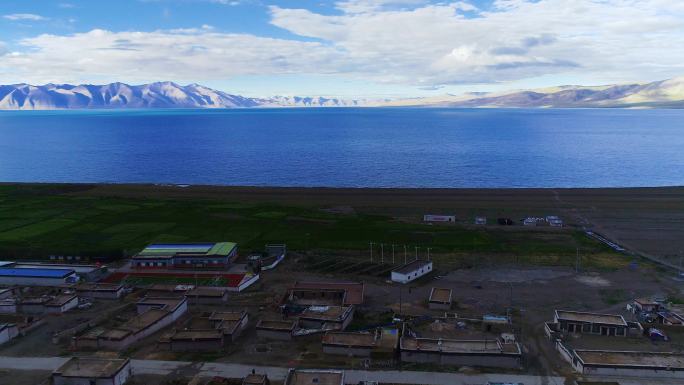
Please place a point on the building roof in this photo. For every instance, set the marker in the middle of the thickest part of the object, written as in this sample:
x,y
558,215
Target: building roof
x,y
35,272
311,377
79,269
136,324
349,339
276,325
608,319
412,266
60,300
91,367
187,249
458,346
645,301
99,287
630,358
194,335
254,379
326,313
227,315
354,290
213,292
440,295
170,303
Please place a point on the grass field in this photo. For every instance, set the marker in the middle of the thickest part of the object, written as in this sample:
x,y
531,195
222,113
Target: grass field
x,y
41,220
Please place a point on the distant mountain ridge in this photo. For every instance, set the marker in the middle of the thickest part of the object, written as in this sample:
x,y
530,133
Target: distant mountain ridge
x,y
660,94
665,93
153,95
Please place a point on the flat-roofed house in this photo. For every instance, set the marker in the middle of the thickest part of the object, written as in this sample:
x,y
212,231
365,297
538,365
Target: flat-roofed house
x,y
590,323
484,353
629,363
197,340
61,303
314,377
154,314
207,295
326,317
361,344
646,305
231,323
326,293
411,271
52,304
276,329
101,290
186,255
440,299
255,379
93,371
149,303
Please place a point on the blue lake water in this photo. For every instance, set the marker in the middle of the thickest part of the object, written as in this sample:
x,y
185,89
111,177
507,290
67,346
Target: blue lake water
x,y
372,147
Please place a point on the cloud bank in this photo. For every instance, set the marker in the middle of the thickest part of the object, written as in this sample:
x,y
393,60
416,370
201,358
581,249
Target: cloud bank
x,y
407,42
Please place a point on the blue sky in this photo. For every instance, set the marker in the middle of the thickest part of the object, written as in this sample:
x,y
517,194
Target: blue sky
x,y
360,48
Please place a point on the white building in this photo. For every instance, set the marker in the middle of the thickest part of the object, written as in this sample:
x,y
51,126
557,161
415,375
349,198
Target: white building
x,y
93,371
411,271
439,218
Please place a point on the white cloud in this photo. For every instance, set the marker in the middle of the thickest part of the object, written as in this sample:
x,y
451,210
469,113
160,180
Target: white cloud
x,y
184,55
24,16
407,42
450,43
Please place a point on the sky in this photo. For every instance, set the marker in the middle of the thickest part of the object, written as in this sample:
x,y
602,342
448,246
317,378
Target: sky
x,y
347,48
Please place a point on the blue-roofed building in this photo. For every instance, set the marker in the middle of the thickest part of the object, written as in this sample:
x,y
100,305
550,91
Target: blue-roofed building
x,y
37,277
186,255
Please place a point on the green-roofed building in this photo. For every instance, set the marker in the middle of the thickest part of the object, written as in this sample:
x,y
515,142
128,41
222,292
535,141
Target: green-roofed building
x,y
186,255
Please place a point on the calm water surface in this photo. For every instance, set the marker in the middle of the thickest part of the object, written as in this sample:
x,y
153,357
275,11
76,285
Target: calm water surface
x,y
375,147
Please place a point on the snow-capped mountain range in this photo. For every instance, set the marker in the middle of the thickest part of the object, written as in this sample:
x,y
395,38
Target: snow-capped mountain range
x,y
666,93
153,95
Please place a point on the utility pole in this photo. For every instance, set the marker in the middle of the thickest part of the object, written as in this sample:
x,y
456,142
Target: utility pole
x,y
428,249
371,251
382,253
577,261
400,302
393,253
404,254
416,253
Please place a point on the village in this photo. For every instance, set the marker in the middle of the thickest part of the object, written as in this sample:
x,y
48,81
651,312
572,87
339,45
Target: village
x,y
210,302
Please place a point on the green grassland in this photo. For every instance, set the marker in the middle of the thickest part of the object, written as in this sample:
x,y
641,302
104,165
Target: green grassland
x,y
41,220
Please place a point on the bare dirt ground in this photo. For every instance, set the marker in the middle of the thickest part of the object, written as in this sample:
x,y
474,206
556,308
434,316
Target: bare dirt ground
x,y
646,220
24,377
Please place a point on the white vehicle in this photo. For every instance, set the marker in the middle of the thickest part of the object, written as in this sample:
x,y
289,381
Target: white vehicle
x,y
85,306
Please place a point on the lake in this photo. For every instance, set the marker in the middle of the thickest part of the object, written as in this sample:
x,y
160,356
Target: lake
x,y
347,147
